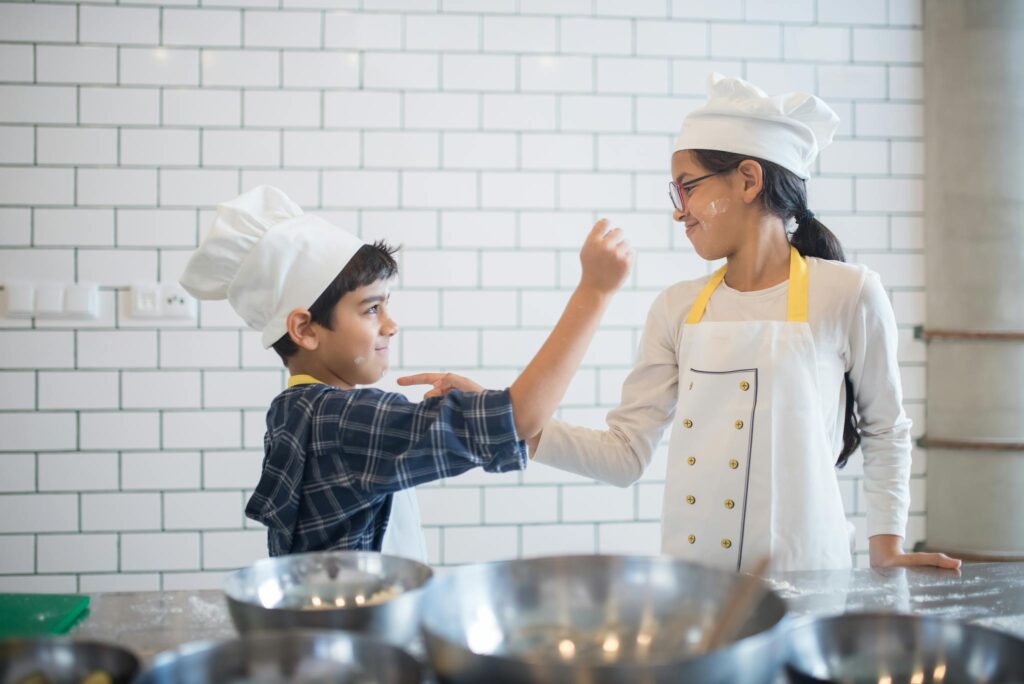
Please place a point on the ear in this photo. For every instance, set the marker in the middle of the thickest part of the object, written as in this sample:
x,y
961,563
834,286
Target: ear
x,y
302,330
751,176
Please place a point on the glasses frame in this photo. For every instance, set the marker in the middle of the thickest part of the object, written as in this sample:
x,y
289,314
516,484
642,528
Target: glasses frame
x,y
675,190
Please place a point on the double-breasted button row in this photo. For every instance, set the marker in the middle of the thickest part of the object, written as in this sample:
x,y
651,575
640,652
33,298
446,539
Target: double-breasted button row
x,y
733,463
687,423
726,543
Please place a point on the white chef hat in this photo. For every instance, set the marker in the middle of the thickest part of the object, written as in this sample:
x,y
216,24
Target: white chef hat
x,y
266,257
789,129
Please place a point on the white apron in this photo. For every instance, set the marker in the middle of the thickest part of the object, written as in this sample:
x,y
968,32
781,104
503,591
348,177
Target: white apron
x,y
751,468
404,533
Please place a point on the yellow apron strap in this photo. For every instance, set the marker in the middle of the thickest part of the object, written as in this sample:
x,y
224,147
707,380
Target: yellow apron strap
x,y
697,312
303,380
796,305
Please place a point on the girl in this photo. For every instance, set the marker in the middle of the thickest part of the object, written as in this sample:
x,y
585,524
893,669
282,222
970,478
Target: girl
x,y
772,371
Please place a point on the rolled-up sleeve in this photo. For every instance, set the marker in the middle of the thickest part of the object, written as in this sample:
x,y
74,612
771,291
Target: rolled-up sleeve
x,y
393,444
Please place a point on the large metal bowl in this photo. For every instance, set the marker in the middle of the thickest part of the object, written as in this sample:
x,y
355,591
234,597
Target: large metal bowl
x,y
358,591
594,619
65,661
901,649
299,656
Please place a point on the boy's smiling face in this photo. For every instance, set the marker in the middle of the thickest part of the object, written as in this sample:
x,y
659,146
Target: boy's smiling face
x,y
354,351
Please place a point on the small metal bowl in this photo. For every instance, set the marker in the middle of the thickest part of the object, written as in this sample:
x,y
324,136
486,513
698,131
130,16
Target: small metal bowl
x,y
276,658
358,591
65,661
594,620
901,649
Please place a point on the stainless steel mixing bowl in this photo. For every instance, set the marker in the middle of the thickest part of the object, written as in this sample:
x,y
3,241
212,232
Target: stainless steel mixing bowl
x,y
901,649
594,619
357,591
65,661
295,657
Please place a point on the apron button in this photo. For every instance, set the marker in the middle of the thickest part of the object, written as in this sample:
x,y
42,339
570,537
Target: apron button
x,y
734,464
688,423
691,386
691,500
726,544
730,504
692,539
691,460
744,385
739,424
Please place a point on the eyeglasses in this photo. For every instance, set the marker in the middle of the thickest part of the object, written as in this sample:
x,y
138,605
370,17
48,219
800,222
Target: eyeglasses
x,y
678,192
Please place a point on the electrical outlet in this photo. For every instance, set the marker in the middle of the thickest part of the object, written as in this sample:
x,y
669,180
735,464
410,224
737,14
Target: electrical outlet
x,y
160,300
175,302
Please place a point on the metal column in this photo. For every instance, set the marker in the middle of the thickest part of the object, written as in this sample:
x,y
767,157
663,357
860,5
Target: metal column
x,y
974,209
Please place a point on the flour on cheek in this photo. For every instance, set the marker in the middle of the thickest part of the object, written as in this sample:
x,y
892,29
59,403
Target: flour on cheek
x,y
715,208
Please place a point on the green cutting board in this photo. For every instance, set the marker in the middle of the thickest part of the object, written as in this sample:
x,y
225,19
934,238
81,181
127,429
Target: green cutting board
x,y
27,615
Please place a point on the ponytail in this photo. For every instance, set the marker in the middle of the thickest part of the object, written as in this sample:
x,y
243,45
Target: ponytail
x,y
785,195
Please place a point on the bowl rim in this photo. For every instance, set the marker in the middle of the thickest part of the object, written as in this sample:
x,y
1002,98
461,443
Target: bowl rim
x,y
189,648
807,622
776,631
66,640
800,622
231,582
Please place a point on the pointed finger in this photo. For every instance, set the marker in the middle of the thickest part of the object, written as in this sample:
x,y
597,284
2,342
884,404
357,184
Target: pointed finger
x,y
420,379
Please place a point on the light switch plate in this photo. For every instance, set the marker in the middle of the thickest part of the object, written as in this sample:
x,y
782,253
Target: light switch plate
x,y
49,300
21,299
52,300
82,301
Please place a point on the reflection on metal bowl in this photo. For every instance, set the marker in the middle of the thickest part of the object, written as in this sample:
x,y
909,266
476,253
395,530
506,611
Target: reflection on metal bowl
x,y
358,591
593,619
294,657
65,661
888,648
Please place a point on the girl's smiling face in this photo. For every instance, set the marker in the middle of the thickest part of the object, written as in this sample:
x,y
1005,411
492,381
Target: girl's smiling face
x,y
712,205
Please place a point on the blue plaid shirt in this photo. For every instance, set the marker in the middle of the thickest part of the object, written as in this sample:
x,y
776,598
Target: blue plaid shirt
x,y
334,458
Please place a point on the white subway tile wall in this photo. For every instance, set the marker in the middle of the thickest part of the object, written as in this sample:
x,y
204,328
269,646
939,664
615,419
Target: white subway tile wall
x,y
484,136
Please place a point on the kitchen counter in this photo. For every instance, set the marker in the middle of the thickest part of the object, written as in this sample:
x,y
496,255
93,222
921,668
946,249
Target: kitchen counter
x,y
990,594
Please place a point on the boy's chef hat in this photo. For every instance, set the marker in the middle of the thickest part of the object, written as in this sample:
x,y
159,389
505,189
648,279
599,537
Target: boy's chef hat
x,y
739,117
267,258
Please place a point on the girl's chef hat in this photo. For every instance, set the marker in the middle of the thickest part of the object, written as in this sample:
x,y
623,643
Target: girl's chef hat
x,y
739,117
266,257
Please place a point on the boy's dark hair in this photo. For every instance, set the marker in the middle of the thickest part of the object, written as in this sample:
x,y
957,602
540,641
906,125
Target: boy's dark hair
x,y
371,263
785,195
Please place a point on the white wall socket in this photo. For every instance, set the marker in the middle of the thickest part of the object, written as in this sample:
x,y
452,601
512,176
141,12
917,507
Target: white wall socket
x,y
160,300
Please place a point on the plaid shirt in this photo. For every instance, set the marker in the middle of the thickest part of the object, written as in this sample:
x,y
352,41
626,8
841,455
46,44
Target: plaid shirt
x,y
335,457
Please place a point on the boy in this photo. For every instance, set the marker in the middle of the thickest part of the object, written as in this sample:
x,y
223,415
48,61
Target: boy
x,y
337,454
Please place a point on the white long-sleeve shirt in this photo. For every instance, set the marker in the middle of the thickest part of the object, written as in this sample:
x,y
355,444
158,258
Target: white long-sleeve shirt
x,y
854,332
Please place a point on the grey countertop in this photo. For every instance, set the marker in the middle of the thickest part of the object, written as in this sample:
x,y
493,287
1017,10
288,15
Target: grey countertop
x,y
991,594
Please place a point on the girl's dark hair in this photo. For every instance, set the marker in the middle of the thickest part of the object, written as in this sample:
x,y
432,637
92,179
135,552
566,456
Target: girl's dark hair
x,y
785,195
371,263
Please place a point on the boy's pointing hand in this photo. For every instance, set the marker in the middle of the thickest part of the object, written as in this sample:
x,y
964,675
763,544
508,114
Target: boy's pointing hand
x,y
442,383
